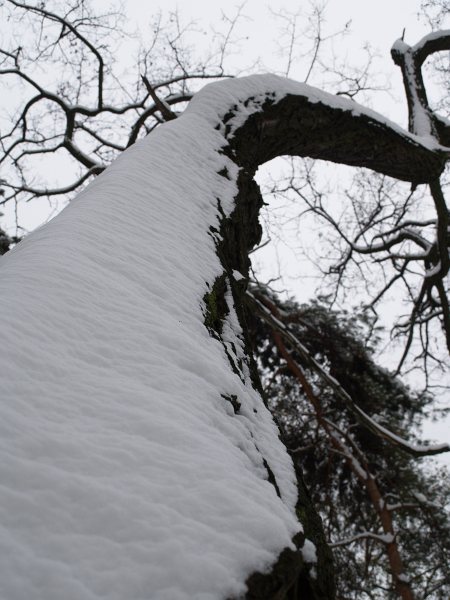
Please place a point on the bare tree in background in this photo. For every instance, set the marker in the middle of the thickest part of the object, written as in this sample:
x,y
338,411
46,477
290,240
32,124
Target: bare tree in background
x,y
379,238
76,102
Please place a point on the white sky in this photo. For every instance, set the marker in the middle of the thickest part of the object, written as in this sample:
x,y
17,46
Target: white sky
x,y
378,24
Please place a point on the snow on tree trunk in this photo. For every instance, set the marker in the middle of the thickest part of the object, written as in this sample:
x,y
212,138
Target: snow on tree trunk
x,y
138,457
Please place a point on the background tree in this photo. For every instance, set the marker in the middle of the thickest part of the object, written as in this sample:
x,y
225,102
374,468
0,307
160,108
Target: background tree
x,y
379,506
375,234
87,110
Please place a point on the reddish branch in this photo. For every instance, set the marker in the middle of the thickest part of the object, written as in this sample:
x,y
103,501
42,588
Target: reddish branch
x,y
268,312
357,462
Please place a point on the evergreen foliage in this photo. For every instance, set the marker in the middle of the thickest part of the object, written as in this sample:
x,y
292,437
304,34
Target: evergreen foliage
x,y
345,345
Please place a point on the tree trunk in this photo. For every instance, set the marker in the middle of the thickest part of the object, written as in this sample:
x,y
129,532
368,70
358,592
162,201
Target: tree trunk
x,y
141,459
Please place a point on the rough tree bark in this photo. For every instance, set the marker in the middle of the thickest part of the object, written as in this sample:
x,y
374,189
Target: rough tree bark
x,y
249,121
297,125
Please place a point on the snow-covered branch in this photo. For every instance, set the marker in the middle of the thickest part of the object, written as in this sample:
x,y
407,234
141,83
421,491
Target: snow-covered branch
x,y
422,120
364,535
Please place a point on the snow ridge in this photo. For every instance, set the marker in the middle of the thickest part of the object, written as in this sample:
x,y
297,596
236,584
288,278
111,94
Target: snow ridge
x,y
125,472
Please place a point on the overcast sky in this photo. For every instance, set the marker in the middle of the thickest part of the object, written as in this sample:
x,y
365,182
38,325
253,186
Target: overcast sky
x,y
378,24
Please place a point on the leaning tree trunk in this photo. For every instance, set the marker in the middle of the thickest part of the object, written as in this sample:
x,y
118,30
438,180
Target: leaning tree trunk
x,y
139,458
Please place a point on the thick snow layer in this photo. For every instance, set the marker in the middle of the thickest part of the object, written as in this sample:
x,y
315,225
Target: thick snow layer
x,y
125,472
234,92
309,552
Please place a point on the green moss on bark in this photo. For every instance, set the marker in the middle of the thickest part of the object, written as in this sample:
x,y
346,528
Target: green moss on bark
x,y
215,307
291,578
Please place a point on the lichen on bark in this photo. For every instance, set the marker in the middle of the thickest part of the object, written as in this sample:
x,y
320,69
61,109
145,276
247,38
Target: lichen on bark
x,y
290,577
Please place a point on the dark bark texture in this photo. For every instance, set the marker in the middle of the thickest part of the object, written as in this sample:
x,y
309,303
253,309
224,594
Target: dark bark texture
x,y
299,127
